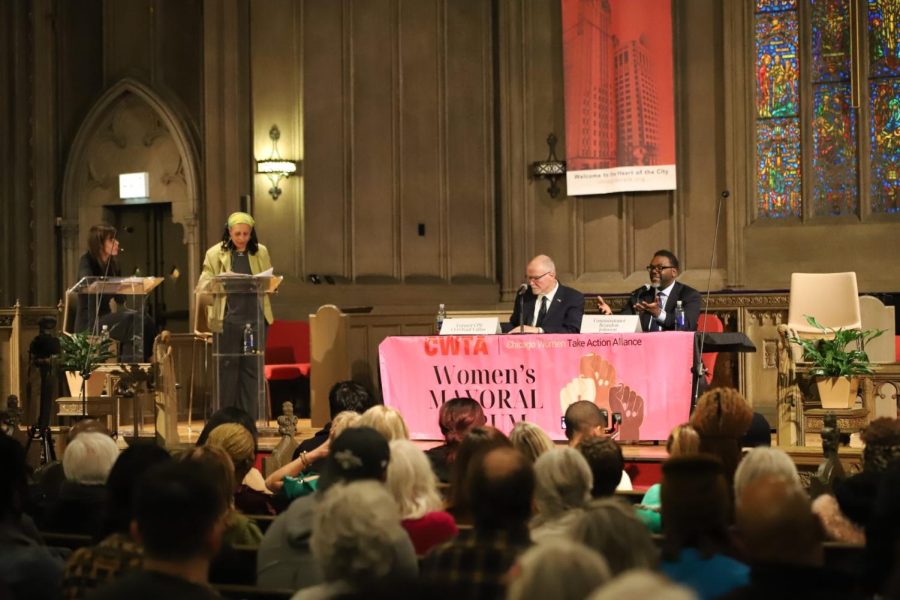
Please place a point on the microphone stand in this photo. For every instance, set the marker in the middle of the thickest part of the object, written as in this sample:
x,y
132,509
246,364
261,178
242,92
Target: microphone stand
x,y
701,370
522,309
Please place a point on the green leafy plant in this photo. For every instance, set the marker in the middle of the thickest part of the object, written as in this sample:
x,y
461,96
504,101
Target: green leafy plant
x,y
830,356
82,353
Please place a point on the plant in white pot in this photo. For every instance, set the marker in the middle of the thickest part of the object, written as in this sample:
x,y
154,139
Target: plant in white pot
x,y
836,361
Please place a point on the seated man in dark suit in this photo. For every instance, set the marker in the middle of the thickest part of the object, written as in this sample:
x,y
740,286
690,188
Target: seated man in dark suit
x,y
547,306
655,304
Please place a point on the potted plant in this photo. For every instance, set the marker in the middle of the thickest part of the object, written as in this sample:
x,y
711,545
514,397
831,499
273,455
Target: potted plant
x,y
836,361
83,353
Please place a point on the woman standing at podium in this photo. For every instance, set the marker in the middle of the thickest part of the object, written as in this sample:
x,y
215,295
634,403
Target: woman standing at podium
x,y
95,311
228,317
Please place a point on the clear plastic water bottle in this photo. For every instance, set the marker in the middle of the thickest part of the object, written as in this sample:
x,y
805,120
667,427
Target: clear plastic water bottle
x,y
439,319
249,344
679,316
104,333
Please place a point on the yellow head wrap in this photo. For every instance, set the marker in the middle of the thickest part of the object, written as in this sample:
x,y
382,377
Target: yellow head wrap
x,y
238,218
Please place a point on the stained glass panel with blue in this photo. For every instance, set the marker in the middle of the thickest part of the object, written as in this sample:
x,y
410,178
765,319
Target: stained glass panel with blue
x,y
884,105
777,65
834,159
830,40
769,6
884,37
778,168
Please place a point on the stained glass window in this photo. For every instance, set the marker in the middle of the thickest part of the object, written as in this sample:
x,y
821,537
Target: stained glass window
x,y
775,5
778,167
884,37
834,162
885,138
830,40
776,65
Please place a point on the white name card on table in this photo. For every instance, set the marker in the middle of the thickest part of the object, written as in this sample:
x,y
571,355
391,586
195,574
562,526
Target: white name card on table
x,y
471,326
611,324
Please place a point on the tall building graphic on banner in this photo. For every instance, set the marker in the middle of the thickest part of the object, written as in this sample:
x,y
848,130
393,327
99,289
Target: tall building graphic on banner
x,y
637,107
591,143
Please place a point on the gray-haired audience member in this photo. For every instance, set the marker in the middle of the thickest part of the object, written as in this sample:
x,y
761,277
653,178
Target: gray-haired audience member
x,y
559,569
763,461
610,527
355,540
563,483
640,584
530,440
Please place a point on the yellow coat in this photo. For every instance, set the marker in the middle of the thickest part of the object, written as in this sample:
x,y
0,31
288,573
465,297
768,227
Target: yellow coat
x,y
218,261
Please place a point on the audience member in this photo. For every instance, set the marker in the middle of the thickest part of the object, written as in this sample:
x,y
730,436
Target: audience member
x,y
759,433
387,421
696,509
530,440
28,569
477,441
180,515
882,554
232,414
559,569
284,560
238,442
563,484
583,419
722,417
413,485
607,463
761,462
118,552
610,527
781,538
456,418
79,508
343,396
355,539
683,441
639,584
475,564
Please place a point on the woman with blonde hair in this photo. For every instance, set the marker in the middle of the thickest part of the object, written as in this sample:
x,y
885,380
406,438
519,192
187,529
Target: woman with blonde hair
x,y
387,421
530,440
683,441
413,485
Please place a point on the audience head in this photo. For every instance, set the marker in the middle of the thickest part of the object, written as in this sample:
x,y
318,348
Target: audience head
x,y
610,527
563,481
696,505
14,481
84,426
358,454
641,583
218,464
343,421
683,440
387,421
179,510
127,471
605,458
758,434
230,414
882,444
355,529
583,419
478,441
722,417
560,569
349,395
762,461
530,440
457,417
501,485
89,457
411,481
238,443
775,523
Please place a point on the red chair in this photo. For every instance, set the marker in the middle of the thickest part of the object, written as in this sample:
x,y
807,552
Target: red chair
x,y
287,351
710,324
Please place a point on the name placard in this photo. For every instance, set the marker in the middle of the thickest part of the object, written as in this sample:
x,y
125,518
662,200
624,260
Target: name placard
x,y
471,326
610,324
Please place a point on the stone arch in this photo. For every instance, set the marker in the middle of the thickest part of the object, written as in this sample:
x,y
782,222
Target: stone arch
x,y
131,127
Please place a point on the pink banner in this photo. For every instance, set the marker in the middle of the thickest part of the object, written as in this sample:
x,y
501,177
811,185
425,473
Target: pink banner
x,y
645,377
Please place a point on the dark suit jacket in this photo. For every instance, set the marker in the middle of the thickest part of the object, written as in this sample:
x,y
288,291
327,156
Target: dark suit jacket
x,y
563,315
690,301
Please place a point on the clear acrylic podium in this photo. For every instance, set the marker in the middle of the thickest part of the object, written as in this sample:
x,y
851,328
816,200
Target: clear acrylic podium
x,y
91,297
233,308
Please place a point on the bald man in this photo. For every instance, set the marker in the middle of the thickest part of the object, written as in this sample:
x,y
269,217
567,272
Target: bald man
x,y
547,306
781,539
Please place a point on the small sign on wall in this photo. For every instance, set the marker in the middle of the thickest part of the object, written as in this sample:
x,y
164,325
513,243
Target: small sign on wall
x,y
134,186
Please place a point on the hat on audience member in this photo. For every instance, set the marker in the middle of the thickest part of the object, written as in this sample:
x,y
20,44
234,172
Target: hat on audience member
x,y
356,454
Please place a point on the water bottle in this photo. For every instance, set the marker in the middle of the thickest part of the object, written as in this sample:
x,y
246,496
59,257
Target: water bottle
x,y
249,345
679,316
104,333
439,319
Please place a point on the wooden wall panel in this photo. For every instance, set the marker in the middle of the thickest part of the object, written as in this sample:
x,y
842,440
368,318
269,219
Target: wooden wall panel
x,y
178,59
128,37
601,232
